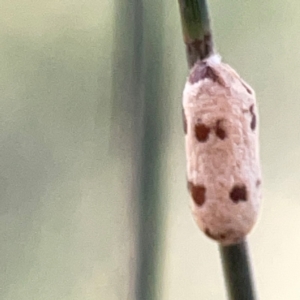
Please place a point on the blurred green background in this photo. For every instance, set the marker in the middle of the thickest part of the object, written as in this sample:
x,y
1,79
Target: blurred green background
x,y
66,154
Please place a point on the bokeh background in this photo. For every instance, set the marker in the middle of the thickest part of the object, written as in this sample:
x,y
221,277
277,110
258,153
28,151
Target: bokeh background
x,y
77,82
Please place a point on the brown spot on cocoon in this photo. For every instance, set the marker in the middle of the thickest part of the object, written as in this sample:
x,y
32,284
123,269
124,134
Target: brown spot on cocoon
x,y
217,237
210,235
184,122
220,132
247,88
222,236
253,120
238,193
202,71
197,192
210,73
251,109
258,182
201,131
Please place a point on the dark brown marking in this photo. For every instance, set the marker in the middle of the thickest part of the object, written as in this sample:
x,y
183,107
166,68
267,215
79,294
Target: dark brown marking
x,y
201,131
184,121
217,237
238,193
253,120
210,73
258,182
251,109
197,192
222,236
210,235
201,72
247,88
220,132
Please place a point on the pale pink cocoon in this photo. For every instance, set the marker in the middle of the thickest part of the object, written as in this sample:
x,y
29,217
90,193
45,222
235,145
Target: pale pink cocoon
x,y
222,151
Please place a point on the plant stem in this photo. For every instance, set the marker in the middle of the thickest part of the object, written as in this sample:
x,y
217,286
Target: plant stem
x,y
237,271
196,30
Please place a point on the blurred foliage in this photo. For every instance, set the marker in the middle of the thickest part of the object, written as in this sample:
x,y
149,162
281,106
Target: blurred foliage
x,y
137,99
64,209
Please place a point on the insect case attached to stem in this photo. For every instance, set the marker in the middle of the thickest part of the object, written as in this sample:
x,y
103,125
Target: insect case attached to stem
x,y
221,138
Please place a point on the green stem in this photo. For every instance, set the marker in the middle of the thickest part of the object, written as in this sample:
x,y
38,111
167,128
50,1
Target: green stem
x,y
237,272
196,29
